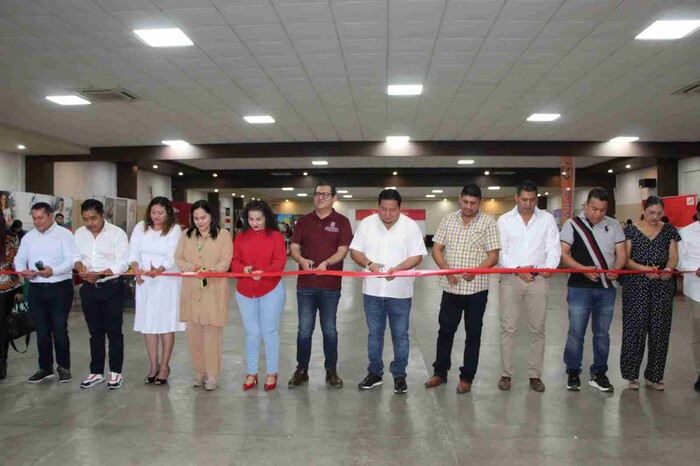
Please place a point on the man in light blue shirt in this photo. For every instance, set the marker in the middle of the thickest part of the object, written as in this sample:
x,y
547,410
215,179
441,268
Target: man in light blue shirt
x,y
45,258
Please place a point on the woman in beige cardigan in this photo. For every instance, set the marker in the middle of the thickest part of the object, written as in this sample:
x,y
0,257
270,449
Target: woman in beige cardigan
x,y
204,303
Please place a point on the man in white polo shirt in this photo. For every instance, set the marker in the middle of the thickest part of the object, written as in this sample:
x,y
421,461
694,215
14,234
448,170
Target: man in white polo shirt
x,y
387,242
689,252
101,255
45,258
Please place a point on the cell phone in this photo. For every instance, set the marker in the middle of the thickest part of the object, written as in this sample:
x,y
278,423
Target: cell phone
x,y
39,266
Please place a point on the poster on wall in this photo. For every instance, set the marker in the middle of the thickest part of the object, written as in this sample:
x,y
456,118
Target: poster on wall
x,y
6,206
182,212
63,209
679,209
119,212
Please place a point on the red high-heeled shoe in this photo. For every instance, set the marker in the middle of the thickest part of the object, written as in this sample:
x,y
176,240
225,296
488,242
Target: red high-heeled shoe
x,y
270,386
253,384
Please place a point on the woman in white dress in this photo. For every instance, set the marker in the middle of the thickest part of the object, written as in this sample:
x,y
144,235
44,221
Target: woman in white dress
x,y
152,249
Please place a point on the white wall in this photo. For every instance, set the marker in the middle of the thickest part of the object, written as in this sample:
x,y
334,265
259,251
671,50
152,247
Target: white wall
x,y
194,195
434,210
689,176
150,185
11,172
628,191
83,180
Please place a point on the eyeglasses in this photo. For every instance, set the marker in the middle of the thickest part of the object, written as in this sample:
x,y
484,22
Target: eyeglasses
x,y
323,195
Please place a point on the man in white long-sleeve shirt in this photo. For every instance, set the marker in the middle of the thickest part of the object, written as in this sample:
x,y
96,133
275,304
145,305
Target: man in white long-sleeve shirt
x,y
689,252
45,257
529,238
101,255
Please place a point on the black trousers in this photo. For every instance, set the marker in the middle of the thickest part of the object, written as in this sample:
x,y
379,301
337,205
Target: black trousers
x,y
49,305
103,306
7,300
451,308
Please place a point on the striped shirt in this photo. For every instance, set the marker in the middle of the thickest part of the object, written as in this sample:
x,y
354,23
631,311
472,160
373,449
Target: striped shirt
x,y
466,247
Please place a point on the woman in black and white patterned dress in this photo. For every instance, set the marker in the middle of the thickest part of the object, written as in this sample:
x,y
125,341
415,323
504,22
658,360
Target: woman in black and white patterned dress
x,y
647,300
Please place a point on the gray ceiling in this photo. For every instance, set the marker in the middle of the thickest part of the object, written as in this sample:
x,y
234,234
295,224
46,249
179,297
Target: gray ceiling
x,y
320,68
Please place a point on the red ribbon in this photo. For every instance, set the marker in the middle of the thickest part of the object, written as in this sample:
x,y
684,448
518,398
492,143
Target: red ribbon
x,y
402,273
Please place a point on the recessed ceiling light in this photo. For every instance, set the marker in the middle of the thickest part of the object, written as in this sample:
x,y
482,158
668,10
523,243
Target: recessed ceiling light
x,y
610,170
21,146
286,200
397,139
172,37
259,119
67,100
215,175
625,139
546,194
342,191
216,190
233,194
437,191
288,188
563,173
444,200
543,117
155,166
389,187
395,173
492,200
539,195
628,166
175,142
306,173
180,173
347,196
465,162
404,89
494,188
487,172
242,196
430,195
668,30
302,194
319,162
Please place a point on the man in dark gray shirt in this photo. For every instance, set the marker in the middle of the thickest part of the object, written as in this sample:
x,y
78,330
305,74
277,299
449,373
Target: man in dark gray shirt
x,y
591,241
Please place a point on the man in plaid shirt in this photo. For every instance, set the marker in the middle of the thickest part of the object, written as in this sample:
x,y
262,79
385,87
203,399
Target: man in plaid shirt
x,y
465,239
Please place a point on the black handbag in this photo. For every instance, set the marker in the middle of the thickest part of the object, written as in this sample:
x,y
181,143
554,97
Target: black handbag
x,y
20,324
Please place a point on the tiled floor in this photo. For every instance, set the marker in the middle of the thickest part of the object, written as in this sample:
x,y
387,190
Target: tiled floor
x,y
177,424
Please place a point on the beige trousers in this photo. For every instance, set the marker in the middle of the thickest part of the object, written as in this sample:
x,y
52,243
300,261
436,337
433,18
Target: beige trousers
x,y
518,297
205,349
695,318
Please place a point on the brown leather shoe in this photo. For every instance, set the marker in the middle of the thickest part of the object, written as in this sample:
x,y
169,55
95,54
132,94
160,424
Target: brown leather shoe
x,y
464,387
536,384
300,376
435,381
333,380
504,383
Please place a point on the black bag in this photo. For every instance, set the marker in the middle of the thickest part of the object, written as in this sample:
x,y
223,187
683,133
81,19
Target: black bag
x,y
20,324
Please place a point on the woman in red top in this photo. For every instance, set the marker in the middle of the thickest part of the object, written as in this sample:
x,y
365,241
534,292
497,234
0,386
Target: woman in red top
x,y
257,249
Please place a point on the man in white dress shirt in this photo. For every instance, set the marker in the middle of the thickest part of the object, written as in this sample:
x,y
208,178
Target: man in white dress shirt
x,y
45,258
387,242
689,252
529,238
101,255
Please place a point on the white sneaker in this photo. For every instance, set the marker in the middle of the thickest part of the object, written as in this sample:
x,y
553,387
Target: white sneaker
x,y
115,381
92,380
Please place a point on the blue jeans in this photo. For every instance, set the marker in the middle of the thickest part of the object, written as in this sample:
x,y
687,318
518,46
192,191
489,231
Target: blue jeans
x,y
261,318
398,311
584,303
309,300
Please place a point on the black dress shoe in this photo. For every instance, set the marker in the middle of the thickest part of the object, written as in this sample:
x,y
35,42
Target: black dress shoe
x,y
301,376
333,380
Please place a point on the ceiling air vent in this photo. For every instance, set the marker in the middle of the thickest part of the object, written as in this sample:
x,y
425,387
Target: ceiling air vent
x,y
281,174
692,90
503,173
107,96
